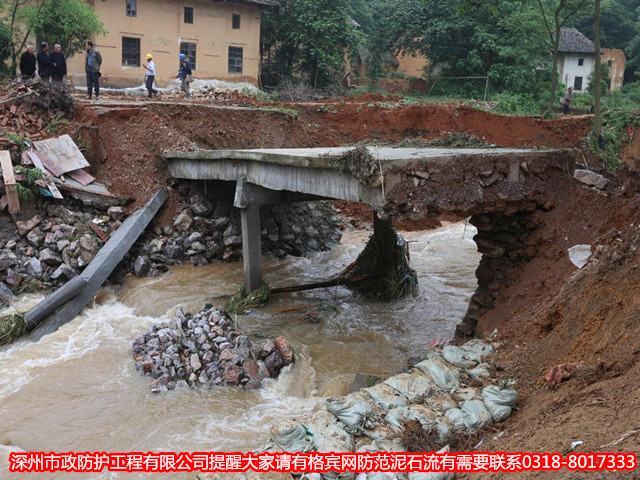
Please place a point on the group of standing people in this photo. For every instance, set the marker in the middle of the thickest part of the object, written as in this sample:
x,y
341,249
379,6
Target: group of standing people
x,y
51,65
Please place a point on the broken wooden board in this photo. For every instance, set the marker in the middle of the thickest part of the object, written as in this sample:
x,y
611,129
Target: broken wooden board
x,y
63,152
10,185
81,176
103,264
94,194
47,176
48,164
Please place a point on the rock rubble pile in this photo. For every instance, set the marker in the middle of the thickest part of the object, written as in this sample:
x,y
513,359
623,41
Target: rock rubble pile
x,y
206,350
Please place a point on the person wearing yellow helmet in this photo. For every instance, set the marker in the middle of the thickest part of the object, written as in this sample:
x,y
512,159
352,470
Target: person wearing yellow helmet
x,y
150,75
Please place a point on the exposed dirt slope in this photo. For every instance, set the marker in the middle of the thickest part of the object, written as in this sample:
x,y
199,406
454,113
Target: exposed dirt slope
x,y
590,319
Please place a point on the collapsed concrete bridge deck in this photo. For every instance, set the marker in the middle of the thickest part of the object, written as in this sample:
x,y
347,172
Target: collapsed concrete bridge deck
x,y
405,181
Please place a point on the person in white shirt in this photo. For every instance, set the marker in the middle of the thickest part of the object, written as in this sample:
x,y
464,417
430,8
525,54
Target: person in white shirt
x,y
150,76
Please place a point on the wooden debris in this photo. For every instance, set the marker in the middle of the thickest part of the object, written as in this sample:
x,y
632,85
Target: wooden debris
x,y
47,176
81,176
98,232
9,182
63,152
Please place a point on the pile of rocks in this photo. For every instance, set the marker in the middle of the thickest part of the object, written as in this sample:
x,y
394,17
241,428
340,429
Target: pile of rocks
x,y
205,350
49,248
59,240
208,229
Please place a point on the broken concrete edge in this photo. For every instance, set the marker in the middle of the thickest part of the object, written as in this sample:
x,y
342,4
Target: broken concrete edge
x,y
103,264
325,157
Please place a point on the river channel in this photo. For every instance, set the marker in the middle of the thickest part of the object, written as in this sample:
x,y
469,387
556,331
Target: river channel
x,y
78,390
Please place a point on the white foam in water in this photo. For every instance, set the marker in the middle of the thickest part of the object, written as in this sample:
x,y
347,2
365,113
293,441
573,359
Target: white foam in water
x,y
104,403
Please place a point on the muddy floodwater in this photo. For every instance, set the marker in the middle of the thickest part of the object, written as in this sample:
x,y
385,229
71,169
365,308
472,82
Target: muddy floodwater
x,y
78,390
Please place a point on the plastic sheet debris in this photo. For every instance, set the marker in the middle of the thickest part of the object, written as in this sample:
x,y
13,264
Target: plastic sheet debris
x,y
579,255
499,401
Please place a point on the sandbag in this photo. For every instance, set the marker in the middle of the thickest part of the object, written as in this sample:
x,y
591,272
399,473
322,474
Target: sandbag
x,y
291,437
433,475
412,387
441,403
468,393
443,427
396,417
426,416
443,375
499,401
381,476
356,414
481,348
460,357
456,417
476,415
479,372
382,446
385,397
328,436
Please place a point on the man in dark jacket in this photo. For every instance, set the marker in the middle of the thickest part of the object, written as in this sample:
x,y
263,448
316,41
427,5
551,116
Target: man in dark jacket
x,y
28,64
92,69
44,62
59,63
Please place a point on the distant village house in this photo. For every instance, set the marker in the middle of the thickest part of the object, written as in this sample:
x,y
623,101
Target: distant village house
x,y
221,38
576,57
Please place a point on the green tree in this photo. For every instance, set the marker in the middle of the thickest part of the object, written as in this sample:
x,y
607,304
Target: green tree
x,y
619,28
5,48
555,15
309,36
499,39
67,22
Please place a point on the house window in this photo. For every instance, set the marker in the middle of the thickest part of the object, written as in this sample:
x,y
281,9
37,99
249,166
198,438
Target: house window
x,y
189,49
130,52
188,14
577,83
132,8
580,62
235,21
235,59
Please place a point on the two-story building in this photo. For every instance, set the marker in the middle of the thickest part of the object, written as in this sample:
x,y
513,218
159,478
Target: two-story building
x,y
576,60
220,37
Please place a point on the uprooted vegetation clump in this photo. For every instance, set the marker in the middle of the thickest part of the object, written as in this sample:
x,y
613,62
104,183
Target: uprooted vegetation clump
x,y
12,327
384,264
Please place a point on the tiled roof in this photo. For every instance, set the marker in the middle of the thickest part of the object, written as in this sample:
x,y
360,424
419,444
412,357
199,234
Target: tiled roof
x,y
572,41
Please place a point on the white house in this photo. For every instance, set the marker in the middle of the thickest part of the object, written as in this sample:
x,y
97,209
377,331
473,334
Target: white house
x,y
576,57
576,61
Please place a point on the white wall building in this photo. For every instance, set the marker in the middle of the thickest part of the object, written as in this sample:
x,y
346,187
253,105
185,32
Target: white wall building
x,y
576,58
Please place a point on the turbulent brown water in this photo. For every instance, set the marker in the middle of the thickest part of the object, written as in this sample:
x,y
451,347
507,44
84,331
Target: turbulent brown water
x,y
78,390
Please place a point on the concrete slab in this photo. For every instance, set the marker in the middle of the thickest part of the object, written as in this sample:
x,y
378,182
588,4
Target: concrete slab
x,y
325,157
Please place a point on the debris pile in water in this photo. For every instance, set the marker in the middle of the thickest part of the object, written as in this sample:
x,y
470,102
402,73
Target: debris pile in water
x,y
206,350
385,263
